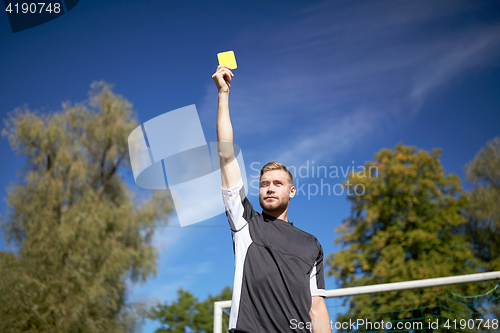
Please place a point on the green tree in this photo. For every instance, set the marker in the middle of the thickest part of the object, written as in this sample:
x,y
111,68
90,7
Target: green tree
x,y
483,209
401,229
80,233
187,314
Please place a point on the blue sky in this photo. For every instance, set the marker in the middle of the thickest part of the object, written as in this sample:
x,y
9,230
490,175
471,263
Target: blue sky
x,y
329,82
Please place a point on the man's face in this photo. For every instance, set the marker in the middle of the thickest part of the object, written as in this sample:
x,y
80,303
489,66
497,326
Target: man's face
x,y
275,191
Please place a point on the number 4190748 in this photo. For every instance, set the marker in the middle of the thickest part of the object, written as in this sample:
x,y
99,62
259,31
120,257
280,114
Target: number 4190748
x,y
471,324
33,8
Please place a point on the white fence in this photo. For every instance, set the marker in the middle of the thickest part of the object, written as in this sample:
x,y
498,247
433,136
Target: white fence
x,y
377,288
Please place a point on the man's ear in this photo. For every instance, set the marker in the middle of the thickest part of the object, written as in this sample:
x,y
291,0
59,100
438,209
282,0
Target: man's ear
x,y
292,191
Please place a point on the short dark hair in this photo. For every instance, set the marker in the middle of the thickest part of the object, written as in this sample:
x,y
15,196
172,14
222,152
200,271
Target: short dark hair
x,y
276,166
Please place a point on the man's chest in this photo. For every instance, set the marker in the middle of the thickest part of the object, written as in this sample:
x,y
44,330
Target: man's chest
x,y
285,240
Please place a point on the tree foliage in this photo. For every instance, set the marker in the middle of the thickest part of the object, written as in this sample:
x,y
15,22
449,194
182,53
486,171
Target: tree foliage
x,y
402,228
483,209
187,314
81,235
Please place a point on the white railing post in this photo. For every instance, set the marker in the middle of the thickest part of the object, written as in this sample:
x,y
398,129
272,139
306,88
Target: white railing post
x,y
217,318
218,306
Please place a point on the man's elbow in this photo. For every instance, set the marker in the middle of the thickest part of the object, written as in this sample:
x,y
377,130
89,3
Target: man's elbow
x,y
225,158
226,152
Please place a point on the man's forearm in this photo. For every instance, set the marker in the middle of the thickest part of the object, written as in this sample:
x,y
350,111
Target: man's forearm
x,y
319,316
321,324
224,127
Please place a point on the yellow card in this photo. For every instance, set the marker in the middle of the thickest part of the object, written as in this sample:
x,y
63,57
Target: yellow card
x,y
227,59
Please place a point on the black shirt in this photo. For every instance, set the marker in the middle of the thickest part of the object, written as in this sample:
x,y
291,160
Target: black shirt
x,y
278,268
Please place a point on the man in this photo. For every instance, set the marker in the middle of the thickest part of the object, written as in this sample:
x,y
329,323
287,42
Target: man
x,y
279,281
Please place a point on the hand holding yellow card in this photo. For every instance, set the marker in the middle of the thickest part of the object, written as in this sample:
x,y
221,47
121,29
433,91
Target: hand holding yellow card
x,y
227,59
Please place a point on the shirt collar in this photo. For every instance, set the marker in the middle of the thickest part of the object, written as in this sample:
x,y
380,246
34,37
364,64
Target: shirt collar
x,y
270,218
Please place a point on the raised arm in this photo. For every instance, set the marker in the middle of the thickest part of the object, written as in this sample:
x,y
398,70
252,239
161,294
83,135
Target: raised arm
x,y
230,169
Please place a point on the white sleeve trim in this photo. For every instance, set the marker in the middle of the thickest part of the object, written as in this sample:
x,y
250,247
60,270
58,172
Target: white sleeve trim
x,y
319,292
233,190
313,284
234,206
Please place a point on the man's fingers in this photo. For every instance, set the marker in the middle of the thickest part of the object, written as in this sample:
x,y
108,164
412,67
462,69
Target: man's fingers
x,y
223,72
222,77
223,68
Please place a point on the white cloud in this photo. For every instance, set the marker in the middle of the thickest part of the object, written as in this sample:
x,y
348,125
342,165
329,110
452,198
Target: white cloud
x,y
339,137
339,73
475,48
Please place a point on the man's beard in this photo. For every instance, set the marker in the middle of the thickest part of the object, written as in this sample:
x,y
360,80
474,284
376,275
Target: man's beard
x,y
272,207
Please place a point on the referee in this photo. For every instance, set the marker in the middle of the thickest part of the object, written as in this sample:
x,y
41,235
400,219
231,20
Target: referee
x,y
279,283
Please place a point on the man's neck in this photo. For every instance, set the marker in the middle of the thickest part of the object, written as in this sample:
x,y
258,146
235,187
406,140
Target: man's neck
x,y
278,215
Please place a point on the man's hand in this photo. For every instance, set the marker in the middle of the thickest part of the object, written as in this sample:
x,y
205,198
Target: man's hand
x,y
222,78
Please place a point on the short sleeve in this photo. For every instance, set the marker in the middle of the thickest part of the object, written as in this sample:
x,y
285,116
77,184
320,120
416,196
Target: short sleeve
x,y
317,275
239,210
